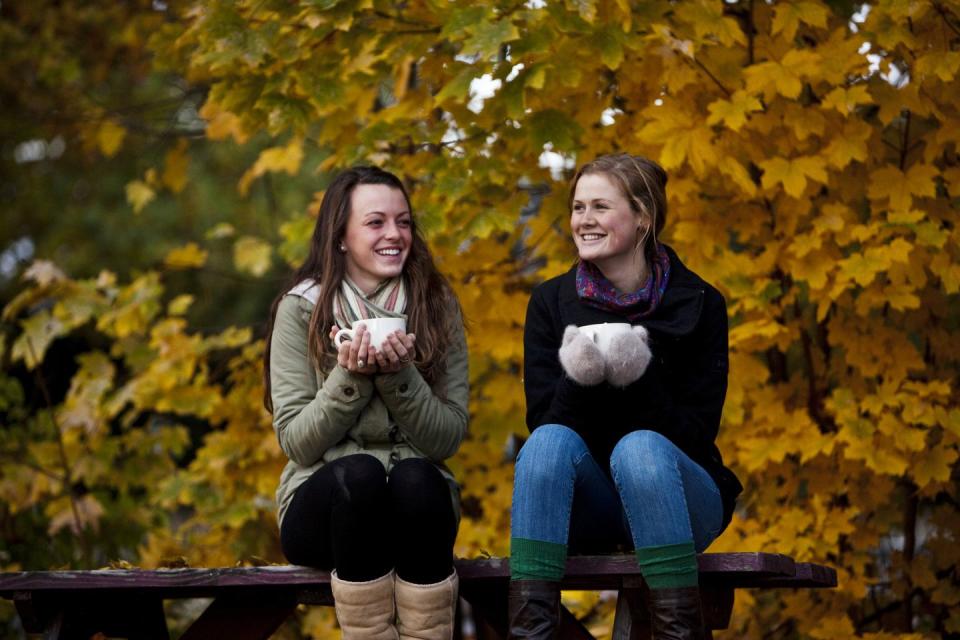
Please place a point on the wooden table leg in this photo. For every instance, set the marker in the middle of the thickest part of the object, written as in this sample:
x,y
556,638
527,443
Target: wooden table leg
x,y
632,620
717,606
64,617
242,617
571,628
489,605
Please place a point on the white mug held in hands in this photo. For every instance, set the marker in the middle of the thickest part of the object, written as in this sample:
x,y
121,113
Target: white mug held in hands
x,y
602,333
378,328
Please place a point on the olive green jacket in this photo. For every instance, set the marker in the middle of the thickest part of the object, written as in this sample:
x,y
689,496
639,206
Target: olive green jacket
x,y
390,416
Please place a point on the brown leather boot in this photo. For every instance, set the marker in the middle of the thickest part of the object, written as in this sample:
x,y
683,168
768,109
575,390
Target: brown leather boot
x,y
533,609
675,614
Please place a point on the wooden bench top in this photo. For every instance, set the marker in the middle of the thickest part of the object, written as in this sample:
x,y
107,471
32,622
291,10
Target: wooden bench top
x,y
251,602
736,570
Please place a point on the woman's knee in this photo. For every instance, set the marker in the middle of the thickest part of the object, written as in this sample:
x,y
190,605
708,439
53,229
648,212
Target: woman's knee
x,y
643,455
550,443
549,455
416,477
359,478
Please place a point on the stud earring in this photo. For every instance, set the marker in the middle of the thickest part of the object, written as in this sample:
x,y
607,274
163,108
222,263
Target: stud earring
x,y
343,248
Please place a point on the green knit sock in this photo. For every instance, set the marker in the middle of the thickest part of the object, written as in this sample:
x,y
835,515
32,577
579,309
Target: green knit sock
x,y
537,560
669,565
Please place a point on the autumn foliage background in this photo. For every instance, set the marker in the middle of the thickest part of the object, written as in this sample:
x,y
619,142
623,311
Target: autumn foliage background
x,y
162,163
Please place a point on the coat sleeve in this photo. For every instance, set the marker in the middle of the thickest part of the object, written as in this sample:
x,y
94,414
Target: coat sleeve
x,y
308,417
552,397
434,424
686,407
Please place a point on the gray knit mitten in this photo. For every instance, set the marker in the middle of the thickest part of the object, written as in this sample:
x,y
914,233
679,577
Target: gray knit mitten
x,y
581,358
627,357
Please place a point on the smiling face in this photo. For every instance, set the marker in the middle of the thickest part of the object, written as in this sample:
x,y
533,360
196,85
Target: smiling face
x,y
605,228
378,235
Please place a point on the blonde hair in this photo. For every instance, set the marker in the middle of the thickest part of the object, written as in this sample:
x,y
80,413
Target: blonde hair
x,y
643,183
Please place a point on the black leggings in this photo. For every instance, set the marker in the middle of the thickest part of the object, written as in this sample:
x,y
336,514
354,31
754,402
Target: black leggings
x,y
350,515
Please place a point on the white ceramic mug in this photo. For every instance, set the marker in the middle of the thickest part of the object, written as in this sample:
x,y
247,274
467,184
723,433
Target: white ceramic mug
x,y
602,333
378,328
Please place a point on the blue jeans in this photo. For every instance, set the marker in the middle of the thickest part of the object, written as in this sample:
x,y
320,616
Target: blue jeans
x,y
658,495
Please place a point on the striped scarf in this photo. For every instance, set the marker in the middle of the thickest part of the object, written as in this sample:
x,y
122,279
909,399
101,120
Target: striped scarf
x,y
388,300
595,290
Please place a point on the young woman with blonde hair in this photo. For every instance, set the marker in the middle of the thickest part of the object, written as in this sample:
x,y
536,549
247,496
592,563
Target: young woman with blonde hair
x,y
621,452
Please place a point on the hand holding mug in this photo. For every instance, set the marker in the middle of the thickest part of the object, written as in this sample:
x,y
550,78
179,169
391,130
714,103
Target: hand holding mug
x,y
396,352
356,355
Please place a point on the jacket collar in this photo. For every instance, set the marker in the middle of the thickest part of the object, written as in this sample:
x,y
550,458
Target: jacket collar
x,y
677,314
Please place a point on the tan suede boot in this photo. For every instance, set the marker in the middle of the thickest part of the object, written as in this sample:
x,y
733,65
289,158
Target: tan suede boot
x,y
427,611
365,610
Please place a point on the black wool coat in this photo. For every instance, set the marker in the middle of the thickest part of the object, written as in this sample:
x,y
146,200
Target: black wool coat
x,y
681,394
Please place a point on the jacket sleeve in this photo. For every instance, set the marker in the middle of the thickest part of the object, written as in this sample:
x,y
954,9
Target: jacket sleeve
x,y
434,424
552,397
688,413
309,418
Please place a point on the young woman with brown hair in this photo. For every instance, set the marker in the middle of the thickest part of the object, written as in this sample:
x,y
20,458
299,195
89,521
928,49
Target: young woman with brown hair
x,y
367,427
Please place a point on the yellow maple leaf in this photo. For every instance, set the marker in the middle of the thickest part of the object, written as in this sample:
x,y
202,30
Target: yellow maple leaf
x,y
948,270
175,167
39,330
814,267
756,453
221,123
139,194
934,465
792,173
804,243
899,187
804,121
784,76
44,272
845,99
863,267
708,19
730,167
733,111
901,297
943,64
74,513
788,16
252,255
275,159
189,256
110,136
850,145
757,334
833,627
179,305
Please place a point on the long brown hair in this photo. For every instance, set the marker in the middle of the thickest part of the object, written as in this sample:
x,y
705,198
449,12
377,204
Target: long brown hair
x,y
644,184
429,295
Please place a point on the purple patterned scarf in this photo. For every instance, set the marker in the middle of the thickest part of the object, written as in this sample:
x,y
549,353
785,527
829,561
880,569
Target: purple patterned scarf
x,y
594,289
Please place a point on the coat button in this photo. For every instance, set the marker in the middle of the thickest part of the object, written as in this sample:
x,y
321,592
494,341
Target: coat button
x,y
403,388
348,391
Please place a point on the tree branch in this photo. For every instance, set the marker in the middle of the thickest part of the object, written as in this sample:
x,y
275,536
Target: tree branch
x,y
904,145
909,549
61,446
943,14
710,75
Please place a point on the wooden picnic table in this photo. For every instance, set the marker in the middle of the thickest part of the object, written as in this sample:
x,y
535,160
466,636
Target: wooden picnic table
x,y
252,602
